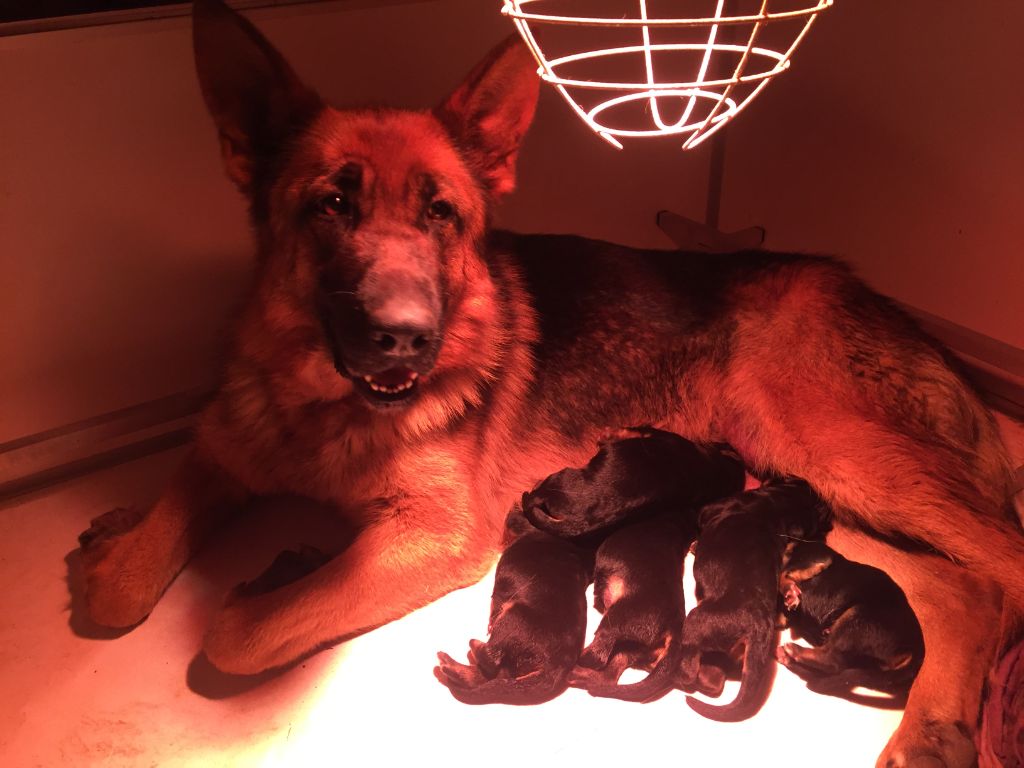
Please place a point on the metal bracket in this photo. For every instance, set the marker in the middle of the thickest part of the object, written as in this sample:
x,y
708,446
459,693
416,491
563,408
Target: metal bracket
x,y
690,235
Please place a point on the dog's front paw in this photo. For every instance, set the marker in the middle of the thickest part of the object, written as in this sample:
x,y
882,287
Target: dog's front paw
x,y
250,635
288,567
932,744
108,526
254,630
122,582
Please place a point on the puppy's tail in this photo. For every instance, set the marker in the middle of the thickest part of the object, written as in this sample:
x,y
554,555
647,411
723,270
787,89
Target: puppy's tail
x,y
658,682
755,683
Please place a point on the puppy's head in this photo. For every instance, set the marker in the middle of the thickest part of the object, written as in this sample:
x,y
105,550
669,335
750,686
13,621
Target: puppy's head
x,y
370,222
803,513
624,477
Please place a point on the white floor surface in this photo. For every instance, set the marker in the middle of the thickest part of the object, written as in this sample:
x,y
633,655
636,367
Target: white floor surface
x,y
72,698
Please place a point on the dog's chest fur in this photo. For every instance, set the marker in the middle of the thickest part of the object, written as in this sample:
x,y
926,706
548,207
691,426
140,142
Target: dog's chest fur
x,y
616,338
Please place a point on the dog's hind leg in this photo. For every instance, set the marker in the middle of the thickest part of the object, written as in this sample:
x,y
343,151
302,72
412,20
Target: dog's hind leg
x,y
959,615
129,559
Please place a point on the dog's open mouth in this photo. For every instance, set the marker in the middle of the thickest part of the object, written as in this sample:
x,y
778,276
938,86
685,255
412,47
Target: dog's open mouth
x,y
395,385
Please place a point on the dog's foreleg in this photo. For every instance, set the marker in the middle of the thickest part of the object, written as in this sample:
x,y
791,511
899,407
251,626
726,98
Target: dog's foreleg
x,y
129,558
959,615
409,556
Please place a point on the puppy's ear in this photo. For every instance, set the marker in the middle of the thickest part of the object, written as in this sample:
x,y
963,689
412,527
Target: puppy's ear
x,y
488,114
254,96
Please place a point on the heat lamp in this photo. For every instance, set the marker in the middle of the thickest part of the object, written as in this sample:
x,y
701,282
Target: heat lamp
x,y
641,68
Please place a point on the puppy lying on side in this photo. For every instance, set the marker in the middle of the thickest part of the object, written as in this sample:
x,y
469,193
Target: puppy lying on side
x,y
638,586
737,564
866,631
644,474
537,626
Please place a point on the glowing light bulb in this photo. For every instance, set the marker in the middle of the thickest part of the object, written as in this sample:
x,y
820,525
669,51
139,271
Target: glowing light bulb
x,y
711,93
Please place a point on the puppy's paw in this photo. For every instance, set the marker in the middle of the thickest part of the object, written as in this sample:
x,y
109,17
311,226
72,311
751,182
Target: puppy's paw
x,y
121,571
791,596
710,681
485,657
584,677
452,674
933,744
789,654
592,659
288,567
781,656
689,668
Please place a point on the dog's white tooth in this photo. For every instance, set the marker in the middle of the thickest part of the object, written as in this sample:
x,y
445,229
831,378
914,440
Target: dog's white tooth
x,y
413,376
367,379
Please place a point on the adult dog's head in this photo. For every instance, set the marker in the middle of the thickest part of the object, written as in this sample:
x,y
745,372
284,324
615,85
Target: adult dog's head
x,y
370,222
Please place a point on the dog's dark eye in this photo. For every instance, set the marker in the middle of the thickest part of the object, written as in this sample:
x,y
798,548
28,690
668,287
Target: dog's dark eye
x,y
440,210
336,205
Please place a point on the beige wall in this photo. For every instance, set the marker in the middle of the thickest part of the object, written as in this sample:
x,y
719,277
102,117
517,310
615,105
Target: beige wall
x,y
897,141
122,246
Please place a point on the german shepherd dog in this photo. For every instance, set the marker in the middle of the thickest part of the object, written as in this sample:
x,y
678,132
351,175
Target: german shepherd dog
x,y
406,364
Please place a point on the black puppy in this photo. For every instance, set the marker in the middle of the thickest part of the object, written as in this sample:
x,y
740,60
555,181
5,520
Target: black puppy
x,y
648,472
537,626
737,564
867,633
638,586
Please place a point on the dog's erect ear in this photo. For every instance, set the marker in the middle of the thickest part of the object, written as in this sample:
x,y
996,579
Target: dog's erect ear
x,y
489,113
254,96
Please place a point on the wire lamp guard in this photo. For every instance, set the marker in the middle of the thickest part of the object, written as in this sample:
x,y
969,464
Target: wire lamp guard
x,y
637,68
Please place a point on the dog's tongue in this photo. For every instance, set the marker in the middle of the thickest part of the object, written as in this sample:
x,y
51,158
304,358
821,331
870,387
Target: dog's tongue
x,y
393,377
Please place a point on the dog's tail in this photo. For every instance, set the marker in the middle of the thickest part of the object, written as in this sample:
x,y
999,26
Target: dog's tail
x,y
658,682
755,683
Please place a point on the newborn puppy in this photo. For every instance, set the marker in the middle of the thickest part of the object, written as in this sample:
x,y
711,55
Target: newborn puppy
x,y
649,472
638,586
737,565
867,633
537,627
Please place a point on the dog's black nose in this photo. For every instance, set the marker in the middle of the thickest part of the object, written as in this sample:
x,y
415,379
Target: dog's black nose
x,y
404,324
403,341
